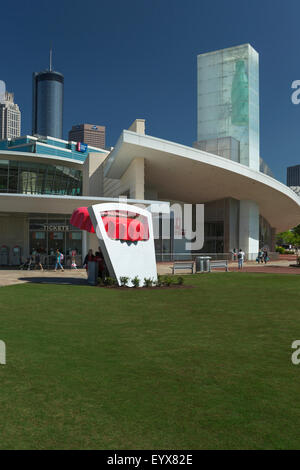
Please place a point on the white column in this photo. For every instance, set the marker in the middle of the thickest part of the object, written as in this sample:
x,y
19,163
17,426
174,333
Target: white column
x,y
231,235
249,228
89,241
84,244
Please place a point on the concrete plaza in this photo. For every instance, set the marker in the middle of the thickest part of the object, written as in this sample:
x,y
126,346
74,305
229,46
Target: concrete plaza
x,y
79,277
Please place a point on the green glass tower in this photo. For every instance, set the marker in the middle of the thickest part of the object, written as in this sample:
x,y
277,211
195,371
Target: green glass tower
x,y
228,100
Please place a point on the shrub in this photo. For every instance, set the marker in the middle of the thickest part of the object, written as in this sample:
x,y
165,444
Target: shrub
x,y
167,281
280,249
148,282
159,282
110,281
136,281
124,280
100,281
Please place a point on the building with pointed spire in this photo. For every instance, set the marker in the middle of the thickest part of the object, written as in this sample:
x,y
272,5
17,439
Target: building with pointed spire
x,y
47,102
10,116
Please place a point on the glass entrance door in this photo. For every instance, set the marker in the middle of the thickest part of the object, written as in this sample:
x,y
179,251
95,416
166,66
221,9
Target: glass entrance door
x,y
56,240
48,234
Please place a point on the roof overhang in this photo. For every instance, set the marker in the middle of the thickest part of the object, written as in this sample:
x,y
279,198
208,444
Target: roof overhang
x,y
53,204
182,173
40,158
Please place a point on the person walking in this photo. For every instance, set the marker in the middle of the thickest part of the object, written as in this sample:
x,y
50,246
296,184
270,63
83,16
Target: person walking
x,y
58,260
38,261
241,257
259,258
32,259
265,256
73,257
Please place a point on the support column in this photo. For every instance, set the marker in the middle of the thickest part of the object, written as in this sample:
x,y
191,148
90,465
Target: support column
x,y
89,242
249,228
93,243
84,244
231,225
273,239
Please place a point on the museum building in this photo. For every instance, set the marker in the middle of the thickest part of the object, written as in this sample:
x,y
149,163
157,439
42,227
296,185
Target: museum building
x,y
42,179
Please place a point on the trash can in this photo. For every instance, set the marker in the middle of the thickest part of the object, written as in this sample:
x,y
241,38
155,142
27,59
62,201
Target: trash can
x,y
199,264
202,263
207,263
92,273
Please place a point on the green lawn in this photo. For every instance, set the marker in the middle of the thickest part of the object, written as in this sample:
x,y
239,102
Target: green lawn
x,y
207,367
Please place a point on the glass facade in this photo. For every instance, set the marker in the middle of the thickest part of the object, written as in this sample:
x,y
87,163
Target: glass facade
x,y
168,247
38,178
228,99
221,233
51,232
47,116
226,147
265,234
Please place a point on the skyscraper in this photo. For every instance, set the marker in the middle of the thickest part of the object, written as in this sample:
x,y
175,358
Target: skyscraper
x,y
90,134
293,178
10,116
47,103
228,104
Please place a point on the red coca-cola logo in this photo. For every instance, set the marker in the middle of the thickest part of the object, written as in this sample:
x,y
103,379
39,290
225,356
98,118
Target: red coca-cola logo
x,y
118,225
124,228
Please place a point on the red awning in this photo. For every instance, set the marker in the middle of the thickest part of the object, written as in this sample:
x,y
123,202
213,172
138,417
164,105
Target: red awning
x,y
81,219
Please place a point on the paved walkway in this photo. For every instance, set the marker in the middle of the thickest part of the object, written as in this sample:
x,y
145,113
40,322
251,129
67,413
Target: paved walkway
x,y
78,277
73,277
281,266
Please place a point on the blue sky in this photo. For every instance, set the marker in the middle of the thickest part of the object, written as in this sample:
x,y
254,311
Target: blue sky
x,y
128,59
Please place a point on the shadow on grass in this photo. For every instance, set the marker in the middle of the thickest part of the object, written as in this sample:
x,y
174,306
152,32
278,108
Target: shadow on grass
x,y
56,280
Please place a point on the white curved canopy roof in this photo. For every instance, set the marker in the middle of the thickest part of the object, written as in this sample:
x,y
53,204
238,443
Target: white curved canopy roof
x,y
187,174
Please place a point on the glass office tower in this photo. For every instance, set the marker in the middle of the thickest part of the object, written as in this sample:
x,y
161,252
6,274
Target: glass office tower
x,y
293,175
228,102
47,105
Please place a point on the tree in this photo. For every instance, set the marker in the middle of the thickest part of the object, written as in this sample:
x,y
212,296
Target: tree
x,y
297,229
290,237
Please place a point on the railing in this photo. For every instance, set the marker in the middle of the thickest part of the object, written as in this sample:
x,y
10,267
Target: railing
x,y
161,257
49,261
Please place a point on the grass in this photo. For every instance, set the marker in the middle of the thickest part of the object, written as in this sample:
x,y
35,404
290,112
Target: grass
x,y
207,367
